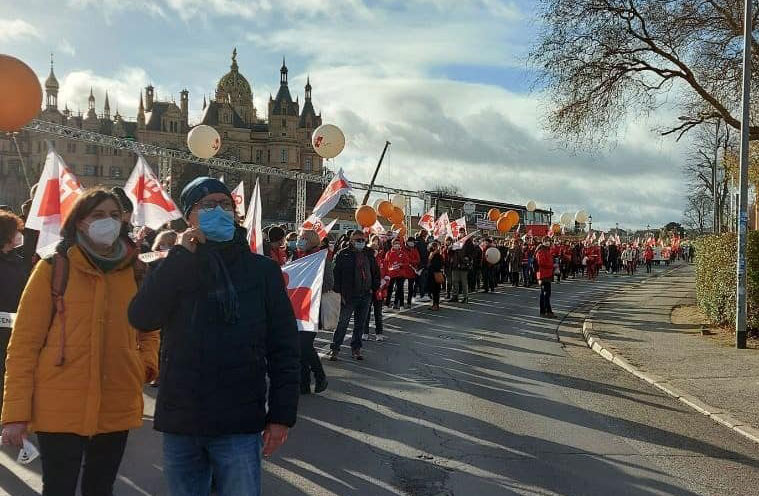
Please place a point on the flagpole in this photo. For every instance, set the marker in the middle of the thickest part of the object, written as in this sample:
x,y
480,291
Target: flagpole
x,y
376,171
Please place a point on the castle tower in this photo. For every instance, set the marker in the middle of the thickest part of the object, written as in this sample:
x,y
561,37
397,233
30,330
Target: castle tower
x,y
149,98
141,114
51,88
184,104
107,108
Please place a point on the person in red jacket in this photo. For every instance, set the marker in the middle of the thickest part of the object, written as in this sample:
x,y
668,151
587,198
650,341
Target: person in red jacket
x,y
593,259
545,276
398,265
648,256
413,265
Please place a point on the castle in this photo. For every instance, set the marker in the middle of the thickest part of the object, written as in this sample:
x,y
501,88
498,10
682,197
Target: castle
x,y
281,139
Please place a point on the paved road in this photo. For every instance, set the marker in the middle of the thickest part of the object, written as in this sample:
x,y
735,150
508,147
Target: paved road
x,y
482,400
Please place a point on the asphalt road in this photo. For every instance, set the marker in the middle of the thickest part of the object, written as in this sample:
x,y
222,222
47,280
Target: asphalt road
x,y
478,400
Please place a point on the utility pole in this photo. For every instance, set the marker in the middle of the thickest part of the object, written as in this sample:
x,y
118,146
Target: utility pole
x,y
376,171
715,193
740,311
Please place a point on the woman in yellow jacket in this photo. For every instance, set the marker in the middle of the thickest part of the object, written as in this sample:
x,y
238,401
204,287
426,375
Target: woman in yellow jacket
x,y
77,380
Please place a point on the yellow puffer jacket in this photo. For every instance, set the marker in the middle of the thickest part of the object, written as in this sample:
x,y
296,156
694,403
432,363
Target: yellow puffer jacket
x,y
98,388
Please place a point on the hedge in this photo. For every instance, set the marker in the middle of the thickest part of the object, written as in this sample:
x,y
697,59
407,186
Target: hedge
x,y
715,277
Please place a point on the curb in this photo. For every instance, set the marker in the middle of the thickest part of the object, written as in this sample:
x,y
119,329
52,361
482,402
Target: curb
x,y
714,413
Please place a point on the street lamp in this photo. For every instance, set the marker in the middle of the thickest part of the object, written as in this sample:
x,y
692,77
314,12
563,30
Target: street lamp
x,y
590,223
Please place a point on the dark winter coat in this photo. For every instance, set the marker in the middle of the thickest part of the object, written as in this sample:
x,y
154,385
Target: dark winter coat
x,y
345,273
14,273
213,373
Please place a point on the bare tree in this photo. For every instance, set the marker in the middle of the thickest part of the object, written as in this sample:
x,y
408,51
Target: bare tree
x,y
698,211
447,190
711,146
601,60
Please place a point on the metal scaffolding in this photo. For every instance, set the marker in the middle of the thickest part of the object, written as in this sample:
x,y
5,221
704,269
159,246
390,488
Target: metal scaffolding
x,y
167,156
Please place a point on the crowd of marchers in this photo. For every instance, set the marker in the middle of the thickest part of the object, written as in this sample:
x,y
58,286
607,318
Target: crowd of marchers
x,y
211,325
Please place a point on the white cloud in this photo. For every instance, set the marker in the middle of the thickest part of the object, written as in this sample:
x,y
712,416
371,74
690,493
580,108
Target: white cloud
x,y
17,29
66,47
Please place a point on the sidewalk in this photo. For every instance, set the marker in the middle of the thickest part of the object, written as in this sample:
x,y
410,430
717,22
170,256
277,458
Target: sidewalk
x,y
633,328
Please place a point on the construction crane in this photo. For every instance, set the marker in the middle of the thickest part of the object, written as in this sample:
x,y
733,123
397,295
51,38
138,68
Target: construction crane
x,y
167,155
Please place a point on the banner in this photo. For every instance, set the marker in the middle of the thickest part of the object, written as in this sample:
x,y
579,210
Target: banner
x,y
303,279
238,195
331,195
427,221
153,207
442,227
253,222
57,191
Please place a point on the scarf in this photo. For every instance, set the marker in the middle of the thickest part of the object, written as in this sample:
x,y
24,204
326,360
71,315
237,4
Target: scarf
x,y
214,258
105,263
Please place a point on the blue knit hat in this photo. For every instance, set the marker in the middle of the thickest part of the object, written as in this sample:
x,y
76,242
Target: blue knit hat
x,y
199,188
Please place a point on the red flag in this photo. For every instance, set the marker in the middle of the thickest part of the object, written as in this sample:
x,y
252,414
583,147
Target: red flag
x,y
331,195
238,195
57,191
303,278
153,207
443,227
427,222
253,222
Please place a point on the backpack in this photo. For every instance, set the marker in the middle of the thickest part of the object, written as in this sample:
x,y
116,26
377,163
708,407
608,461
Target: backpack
x,y
58,283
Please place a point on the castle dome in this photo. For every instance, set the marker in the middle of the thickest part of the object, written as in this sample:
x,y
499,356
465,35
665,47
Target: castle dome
x,y
233,87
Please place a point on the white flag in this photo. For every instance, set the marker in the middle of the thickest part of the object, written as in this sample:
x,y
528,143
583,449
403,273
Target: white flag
x,y
57,191
458,224
443,227
303,279
315,223
331,195
253,222
153,207
238,195
427,221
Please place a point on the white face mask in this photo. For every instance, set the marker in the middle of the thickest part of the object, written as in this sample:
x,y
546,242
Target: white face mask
x,y
18,240
104,231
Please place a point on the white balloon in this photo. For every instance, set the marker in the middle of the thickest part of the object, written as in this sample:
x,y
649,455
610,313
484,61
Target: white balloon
x,y
399,201
203,141
531,206
566,219
328,141
493,255
581,216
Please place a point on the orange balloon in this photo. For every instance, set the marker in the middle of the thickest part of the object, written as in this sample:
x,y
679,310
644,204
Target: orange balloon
x,y
503,224
494,214
20,94
397,216
385,209
513,217
366,216
556,228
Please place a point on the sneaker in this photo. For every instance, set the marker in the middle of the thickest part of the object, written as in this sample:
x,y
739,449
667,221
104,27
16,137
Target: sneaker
x,y
426,299
365,337
321,385
357,355
550,315
332,355
379,338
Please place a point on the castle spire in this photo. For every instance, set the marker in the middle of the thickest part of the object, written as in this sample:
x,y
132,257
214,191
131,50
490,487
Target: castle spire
x,y
283,73
107,107
91,100
308,88
51,88
234,66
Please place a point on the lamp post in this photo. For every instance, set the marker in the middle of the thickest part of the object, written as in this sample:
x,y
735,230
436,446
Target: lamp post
x,y
590,223
740,304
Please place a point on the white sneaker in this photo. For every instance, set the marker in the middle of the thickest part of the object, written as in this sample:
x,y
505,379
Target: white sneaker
x,y
379,338
365,337
425,299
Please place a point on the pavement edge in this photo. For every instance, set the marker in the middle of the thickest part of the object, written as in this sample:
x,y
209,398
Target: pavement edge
x,y
716,414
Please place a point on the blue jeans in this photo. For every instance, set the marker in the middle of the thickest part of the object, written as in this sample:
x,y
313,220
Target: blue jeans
x,y
234,460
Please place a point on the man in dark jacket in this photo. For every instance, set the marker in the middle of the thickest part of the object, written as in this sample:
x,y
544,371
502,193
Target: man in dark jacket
x,y
424,255
357,277
226,323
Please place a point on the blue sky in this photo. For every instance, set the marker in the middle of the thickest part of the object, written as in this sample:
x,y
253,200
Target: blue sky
x,y
446,81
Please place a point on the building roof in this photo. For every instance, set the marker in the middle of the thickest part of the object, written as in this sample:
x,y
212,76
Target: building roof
x,y
153,118
485,203
283,98
234,86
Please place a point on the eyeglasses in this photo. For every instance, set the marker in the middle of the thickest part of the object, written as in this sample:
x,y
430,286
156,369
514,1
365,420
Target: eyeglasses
x,y
226,204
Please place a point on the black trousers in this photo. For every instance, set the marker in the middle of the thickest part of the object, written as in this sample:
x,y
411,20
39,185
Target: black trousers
x,y
545,296
514,279
410,295
62,454
434,288
377,306
5,336
309,359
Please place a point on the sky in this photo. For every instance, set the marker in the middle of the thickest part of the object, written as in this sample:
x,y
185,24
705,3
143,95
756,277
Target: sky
x,y
446,82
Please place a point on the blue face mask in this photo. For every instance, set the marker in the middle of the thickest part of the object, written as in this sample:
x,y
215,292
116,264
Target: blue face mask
x,y
359,245
301,244
292,245
217,224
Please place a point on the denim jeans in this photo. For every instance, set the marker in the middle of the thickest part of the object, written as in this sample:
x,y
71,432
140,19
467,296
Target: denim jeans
x,y
358,308
234,460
